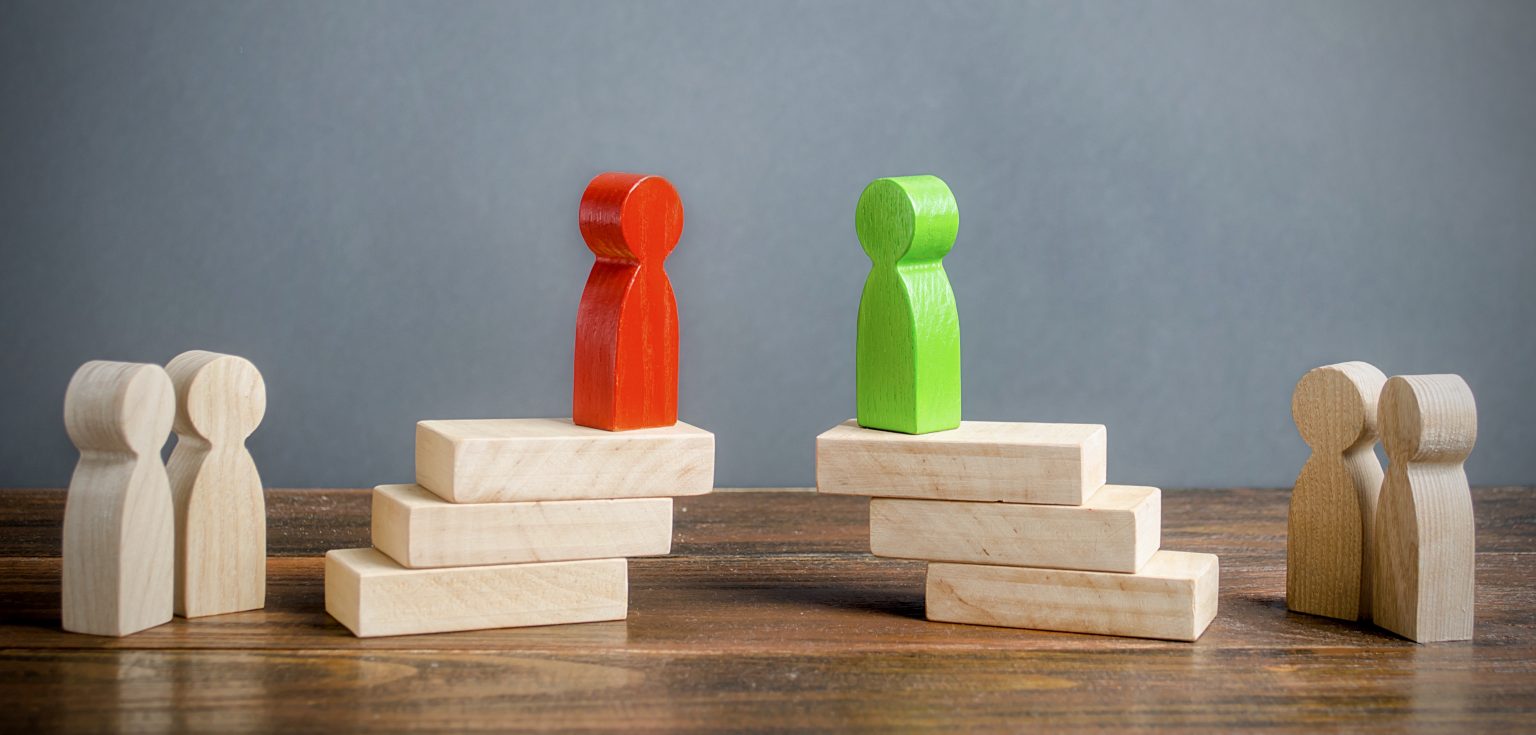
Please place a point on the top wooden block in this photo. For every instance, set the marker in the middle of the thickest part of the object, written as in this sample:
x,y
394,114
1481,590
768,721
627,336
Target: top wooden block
x,y
503,460
1053,464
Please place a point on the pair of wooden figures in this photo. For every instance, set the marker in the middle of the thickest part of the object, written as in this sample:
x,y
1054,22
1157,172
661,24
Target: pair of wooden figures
x,y
1395,548
143,539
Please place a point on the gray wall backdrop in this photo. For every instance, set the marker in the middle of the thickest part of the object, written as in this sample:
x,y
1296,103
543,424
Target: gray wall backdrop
x,y
1169,211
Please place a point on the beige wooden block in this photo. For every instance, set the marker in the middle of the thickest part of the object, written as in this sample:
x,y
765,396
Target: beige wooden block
x,y
119,525
1333,506
1172,597
1117,530
1058,464
1425,531
420,530
221,512
503,460
373,596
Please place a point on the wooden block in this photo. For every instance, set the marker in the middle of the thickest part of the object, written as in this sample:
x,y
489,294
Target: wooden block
x,y
1333,506
626,325
504,460
221,512
373,596
908,351
420,530
119,526
1424,525
1172,597
1117,530
1057,464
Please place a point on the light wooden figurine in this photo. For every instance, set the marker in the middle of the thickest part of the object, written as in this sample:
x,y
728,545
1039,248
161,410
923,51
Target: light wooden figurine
x,y
221,519
118,521
626,326
1424,525
1333,506
908,353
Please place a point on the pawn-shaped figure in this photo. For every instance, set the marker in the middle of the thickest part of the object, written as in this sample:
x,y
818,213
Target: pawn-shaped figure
x,y
118,522
908,356
626,326
221,516
1424,525
1333,506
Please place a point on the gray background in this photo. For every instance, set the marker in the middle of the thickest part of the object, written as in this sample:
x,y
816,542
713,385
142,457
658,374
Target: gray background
x,y
1169,211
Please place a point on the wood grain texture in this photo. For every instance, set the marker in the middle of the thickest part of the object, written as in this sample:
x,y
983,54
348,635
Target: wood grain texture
x,y
221,515
626,325
373,596
1425,533
119,525
506,460
770,615
420,530
1331,525
1174,597
908,350
840,690
1057,464
1117,530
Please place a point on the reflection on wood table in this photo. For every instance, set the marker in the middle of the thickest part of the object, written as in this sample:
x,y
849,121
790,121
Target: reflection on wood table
x,y
770,614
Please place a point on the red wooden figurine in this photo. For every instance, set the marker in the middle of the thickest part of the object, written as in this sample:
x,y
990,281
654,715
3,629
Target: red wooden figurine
x,y
626,327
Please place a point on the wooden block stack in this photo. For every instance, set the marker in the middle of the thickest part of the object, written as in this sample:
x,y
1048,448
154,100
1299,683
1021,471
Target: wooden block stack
x,y
1020,529
516,522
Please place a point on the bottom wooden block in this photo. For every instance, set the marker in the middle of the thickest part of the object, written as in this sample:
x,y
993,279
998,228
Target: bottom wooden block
x,y
1172,597
373,596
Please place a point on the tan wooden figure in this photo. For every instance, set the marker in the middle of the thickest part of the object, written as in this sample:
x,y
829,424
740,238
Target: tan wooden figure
x,y
1333,507
221,518
118,520
1424,526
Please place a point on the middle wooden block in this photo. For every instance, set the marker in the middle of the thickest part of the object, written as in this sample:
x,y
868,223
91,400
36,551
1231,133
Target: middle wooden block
x,y
1117,530
503,460
420,530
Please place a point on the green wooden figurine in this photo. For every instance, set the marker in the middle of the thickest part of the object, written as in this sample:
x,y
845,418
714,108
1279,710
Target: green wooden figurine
x,y
909,331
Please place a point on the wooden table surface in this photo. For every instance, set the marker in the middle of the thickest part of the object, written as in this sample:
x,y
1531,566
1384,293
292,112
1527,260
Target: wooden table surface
x,y
769,615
